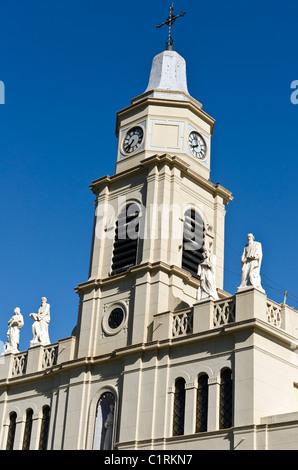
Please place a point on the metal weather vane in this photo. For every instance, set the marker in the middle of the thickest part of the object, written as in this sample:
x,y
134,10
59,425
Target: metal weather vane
x,y
170,21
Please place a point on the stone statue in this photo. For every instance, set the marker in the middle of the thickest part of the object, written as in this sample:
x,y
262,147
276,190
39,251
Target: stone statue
x,y
40,333
13,334
251,264
206,273
107,445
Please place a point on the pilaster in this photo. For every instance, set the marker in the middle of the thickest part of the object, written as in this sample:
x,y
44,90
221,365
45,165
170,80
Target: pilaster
x,y
218,240
213,403
142,293
35,432
129,418
150,229
102,233
190,407
19,433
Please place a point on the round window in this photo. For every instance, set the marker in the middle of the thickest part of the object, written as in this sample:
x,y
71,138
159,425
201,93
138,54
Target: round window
x,y
115,318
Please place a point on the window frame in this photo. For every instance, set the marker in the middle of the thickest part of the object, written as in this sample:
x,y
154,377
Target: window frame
x,y
179,407
44,428
28,429
226,399
11,430
193,219
121,246
202,403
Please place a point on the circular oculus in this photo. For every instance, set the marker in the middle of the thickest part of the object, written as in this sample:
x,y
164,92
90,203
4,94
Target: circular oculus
x,y
115,318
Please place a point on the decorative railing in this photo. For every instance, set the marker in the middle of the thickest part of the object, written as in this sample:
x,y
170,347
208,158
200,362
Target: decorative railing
x,y
224,312
38,358
182,323
273,312
50,355
19,364
207,315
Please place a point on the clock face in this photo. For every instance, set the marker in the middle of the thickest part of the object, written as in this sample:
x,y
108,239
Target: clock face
x,y
197,145
133,139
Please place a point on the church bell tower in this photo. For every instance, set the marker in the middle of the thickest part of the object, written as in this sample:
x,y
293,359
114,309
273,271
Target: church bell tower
x,y
161,358
155,217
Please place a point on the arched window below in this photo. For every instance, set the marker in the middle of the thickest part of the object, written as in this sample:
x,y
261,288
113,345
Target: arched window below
x,y
105,422
28,429
226,399
179,407
202,404
193,242
11,430
126,239
44,430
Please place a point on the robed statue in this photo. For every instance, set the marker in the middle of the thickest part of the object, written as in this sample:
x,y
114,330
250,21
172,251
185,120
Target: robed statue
x,y
107,445
13,333
206,273
40,327
251,261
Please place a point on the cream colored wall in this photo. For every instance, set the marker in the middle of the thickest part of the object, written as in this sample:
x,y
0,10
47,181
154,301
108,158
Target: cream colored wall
x,y
142,361
111,199
147,290
149,388
21,400
167,125
160,183
264,371
275,374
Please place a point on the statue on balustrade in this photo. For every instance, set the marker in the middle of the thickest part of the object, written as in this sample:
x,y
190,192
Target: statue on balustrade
x,y
251,264
206,273
13,333
40,327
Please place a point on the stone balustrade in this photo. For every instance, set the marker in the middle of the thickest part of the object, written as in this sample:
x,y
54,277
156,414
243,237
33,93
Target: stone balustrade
x,y
202,317
207,315
36,359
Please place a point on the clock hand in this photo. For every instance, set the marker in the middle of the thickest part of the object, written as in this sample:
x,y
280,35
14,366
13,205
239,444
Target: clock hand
x,y
130,142
134,139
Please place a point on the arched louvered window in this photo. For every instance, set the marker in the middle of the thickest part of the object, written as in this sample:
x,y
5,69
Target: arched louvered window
x,y
11,430
179,407
44,430
126,239
28,429
202,404
193,241
226,399
105,422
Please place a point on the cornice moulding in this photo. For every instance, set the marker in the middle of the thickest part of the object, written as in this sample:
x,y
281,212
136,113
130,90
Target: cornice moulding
x,y
173,161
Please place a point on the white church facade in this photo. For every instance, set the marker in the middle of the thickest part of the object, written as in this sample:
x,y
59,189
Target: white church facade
x,y
161,358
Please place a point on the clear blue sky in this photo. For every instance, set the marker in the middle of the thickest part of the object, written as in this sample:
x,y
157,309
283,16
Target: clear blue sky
x,y
69,65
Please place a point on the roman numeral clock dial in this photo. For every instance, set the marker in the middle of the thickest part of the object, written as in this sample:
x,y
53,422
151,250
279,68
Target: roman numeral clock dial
x,y
133,139
197,145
